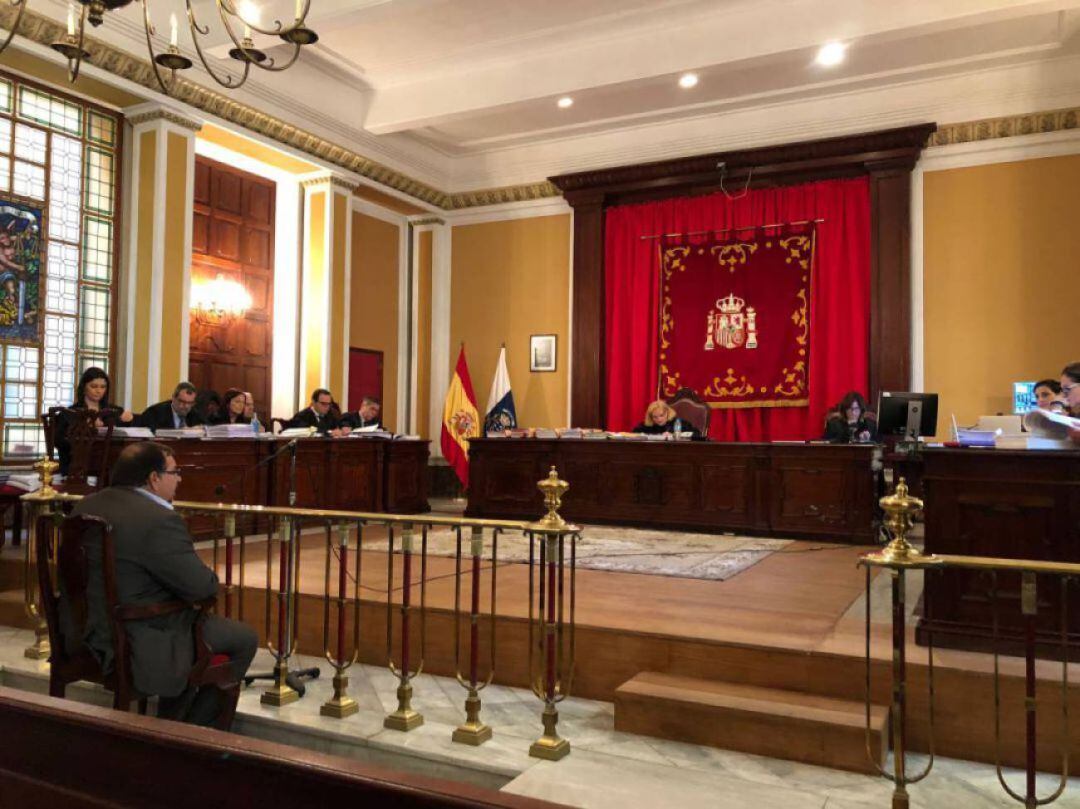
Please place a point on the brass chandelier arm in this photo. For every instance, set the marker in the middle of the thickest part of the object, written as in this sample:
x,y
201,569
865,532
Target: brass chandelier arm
x,y
229,82
75,64
18,18
277,30
247,50
150,31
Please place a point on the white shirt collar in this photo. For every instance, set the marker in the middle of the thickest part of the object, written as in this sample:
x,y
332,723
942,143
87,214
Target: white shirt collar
x,y
161,501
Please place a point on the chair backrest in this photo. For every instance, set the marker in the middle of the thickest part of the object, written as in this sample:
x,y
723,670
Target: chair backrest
x,y
48,424
89,450
689,407
277,425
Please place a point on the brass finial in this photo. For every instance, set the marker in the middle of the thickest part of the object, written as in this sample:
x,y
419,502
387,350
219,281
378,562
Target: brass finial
x,y
45,468
900,512
553,489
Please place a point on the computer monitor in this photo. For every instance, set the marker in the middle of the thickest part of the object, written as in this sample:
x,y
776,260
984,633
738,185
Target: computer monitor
x,y
1023,397
908,415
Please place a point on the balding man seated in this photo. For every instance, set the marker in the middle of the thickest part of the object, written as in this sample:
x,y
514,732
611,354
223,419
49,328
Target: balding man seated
x,y
156,563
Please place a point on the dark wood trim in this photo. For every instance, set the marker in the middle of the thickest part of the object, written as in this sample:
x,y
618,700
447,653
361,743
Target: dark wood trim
x,y
116,759
887,157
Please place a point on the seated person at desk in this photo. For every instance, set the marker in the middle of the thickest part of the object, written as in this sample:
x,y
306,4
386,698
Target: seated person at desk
x,y
1048,395
92,393
174,414
232,409
318,415
850,423
366,416
660,417
156,563
1070,391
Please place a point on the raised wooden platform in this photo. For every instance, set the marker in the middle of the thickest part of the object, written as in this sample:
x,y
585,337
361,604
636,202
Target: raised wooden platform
x,y
765,721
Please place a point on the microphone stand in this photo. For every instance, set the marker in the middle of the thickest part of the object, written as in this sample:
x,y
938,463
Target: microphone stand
x,y
294,679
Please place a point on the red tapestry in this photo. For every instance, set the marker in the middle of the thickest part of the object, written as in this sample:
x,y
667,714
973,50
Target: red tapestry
x,y
735,319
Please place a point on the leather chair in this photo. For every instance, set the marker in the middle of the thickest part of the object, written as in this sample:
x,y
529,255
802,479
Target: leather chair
x,y
689,407
72,569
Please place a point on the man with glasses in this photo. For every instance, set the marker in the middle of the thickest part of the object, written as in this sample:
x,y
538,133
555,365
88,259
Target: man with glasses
x,y
175,413
1070,392
319,415
156,563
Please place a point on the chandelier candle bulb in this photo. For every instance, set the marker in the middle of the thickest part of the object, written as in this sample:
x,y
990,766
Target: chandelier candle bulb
x,y
71,20
172,31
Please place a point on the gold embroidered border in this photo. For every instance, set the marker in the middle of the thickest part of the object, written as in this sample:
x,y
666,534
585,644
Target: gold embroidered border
x,y
745,405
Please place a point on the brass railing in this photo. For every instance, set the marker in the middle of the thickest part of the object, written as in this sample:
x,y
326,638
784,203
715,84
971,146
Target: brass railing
x,y
900,557
279,532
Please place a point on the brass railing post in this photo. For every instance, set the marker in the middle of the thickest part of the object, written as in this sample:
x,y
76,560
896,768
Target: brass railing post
x,y
281,693
43,502
341,704
473,731
404,718
898,557
552,677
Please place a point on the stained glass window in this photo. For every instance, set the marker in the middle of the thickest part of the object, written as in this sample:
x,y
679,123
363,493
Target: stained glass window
x,y
58,153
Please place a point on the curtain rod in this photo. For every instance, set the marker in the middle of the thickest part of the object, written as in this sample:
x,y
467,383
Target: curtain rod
x,y
733,230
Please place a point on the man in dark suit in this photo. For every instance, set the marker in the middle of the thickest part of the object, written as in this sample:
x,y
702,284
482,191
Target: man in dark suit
x,y
319,415
173,414
156,562
367,416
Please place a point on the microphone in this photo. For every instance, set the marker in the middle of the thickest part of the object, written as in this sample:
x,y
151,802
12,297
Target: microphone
x,y
222,488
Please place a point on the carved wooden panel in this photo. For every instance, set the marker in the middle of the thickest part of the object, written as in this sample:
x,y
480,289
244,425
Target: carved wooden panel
x,y
727,490
234,237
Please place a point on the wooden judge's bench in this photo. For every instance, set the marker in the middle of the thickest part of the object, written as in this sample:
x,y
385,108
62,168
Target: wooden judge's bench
x,y
822,491
1018,504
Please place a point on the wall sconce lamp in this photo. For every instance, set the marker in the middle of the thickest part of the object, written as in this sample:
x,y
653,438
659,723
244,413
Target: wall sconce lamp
x,y
219,300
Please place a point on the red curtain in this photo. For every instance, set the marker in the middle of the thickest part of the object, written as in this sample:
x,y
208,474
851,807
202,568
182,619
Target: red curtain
x,y
839,300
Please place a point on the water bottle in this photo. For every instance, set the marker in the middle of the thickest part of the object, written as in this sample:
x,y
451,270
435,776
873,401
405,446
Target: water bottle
x,y
677,427
256,427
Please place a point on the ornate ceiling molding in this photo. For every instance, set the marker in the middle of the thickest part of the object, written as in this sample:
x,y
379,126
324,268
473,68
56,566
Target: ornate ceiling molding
x,y
1010,126
164,115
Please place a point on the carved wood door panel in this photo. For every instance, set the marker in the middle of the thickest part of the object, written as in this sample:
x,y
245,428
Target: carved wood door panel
x,y
233,236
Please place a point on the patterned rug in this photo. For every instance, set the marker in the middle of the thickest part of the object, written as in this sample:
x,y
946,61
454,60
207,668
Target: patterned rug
x,y
631,550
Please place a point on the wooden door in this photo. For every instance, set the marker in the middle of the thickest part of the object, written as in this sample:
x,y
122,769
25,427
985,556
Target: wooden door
x,y
365,376
233,236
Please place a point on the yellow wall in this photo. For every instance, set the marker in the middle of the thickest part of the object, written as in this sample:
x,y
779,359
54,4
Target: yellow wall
x,y
374,306
315,325
1000,280
423,331
174,366
510,280
143,174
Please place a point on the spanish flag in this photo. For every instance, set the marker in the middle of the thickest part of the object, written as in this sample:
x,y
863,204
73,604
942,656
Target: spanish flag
x,y
461,420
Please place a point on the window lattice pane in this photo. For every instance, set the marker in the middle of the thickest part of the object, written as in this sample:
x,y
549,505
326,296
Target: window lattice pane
x,y
58,380
65,177
25,439
5,174
62,295
100,128
47,109
21,364
5,136
5,96
20,400
94,319
29,180
97,249
63,261
30,143
99,181
99,360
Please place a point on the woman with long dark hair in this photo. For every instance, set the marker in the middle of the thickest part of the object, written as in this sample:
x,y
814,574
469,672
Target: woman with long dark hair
x,y
850,423
232,408
92,393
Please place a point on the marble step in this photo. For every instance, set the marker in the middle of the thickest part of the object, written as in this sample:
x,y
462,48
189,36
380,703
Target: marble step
x,y
765,721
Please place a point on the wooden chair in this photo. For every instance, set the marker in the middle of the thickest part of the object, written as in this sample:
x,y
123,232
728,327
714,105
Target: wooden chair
x,y
73,558
689,407
277,425
89,452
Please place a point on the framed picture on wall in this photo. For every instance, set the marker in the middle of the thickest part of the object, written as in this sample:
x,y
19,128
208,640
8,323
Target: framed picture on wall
x,y
542,352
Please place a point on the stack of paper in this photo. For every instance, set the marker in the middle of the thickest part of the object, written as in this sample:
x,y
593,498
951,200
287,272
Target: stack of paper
x,y
230,431
183,432
546,432
24,481
128,432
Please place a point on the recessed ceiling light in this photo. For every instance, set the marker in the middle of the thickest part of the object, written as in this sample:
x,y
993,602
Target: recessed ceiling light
x,y
831,54
688,80
565,102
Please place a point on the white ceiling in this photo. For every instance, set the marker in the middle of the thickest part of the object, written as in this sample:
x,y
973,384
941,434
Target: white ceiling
x,y
461,93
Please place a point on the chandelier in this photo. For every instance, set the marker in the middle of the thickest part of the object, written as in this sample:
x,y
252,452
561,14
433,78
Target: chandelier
x,y
220,299
167,62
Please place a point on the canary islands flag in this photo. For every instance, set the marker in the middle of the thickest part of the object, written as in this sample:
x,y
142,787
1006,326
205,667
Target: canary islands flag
x,y
501,414
461,420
